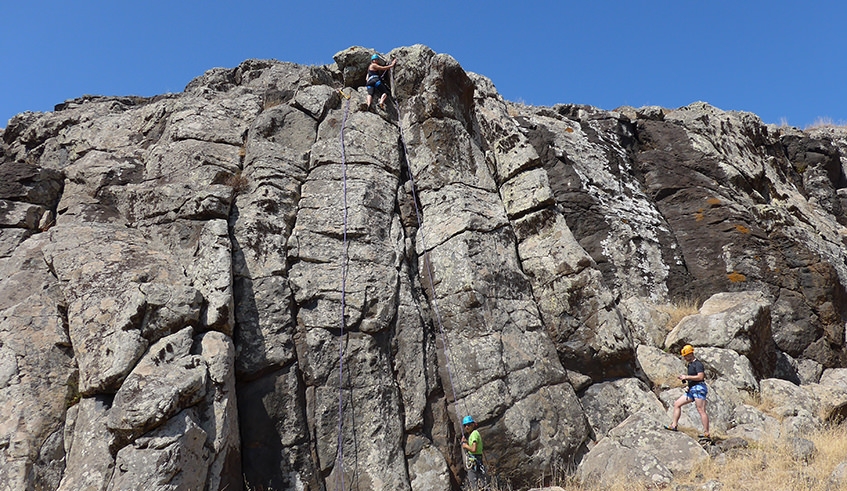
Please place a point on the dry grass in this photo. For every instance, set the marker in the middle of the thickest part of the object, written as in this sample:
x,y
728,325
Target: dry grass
x,y
826,122
766,466
238,183
678,310
754,399
772,465
514,109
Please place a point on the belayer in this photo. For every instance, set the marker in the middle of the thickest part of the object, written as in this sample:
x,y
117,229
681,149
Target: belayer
x,y
473,445
374,81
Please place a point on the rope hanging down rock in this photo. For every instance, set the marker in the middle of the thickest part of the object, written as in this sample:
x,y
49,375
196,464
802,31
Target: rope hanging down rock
x,y
340,463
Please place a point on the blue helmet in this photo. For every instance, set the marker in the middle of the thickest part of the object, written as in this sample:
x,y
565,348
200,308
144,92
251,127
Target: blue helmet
x,y
467,420
375,57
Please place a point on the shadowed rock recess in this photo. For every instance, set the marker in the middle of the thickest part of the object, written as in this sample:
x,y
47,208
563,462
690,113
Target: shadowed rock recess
x,y
171,282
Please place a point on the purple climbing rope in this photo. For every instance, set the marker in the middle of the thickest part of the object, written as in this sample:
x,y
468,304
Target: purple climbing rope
x,y
340,462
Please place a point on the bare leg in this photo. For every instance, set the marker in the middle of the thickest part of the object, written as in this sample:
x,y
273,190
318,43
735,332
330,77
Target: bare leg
x,y
704,418
677,409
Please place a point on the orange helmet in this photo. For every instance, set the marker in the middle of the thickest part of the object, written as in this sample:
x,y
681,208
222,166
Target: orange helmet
x,y
687,350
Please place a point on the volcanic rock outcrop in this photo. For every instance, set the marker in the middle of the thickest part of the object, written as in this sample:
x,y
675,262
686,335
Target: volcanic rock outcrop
x,y
262,282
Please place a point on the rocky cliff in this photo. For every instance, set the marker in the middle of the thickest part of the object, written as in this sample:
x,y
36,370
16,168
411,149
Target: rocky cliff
x,y
260,282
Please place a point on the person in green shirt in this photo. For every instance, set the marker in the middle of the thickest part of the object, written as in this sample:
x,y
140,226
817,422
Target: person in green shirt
x,y
473,445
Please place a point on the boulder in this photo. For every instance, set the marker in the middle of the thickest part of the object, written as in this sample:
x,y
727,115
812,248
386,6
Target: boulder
x,y
173,456
608,404
752,424
168,379
640,450
735,321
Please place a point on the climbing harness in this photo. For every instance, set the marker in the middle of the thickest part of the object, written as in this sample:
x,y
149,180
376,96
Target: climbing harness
x,y
340,462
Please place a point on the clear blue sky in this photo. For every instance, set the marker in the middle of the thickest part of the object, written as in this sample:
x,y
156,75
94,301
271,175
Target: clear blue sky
x,y
784,60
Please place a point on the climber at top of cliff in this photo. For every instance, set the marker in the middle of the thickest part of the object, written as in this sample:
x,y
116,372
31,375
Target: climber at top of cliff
x,y
376,70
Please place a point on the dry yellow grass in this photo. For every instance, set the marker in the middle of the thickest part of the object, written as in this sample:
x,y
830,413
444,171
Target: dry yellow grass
x,y
826,122
678,310
756,400
766,466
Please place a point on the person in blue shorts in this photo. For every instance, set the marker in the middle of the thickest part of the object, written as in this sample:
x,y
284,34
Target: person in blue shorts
x,y
696,391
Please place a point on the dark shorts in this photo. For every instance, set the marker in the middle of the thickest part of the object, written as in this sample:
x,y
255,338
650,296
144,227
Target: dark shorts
x,y
378,88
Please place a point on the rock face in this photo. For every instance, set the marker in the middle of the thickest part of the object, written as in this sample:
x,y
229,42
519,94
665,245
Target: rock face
x,y
259,282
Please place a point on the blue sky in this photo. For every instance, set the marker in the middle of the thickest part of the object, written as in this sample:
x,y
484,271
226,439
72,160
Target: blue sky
x,y
782,60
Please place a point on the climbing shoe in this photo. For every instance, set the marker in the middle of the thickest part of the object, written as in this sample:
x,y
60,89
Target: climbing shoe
x,y
670,428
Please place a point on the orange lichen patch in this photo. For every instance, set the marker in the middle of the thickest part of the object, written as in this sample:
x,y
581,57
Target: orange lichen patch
x,y
742,229
698,216
714,202
569,130
736,277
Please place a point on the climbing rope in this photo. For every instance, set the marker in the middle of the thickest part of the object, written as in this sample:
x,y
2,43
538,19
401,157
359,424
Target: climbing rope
x,y
340,462
427,263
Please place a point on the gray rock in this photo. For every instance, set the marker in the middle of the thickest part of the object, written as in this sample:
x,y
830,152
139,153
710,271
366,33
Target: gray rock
x,y
750,423
20,215
38,372
735,321
802,449
219,417
275,440
838,477
108,310
316,100
787,397
836,377
212,276
608,404
90,462
729,366
639,450
428,470
832,400
500,259
166,380
662,369
173,456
